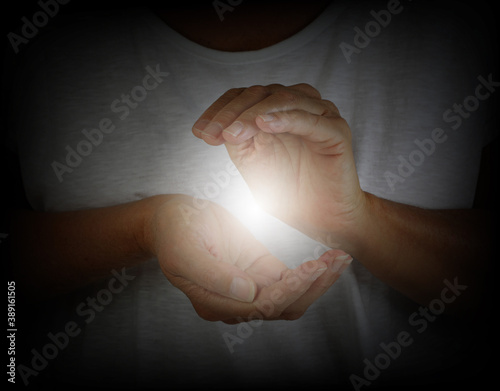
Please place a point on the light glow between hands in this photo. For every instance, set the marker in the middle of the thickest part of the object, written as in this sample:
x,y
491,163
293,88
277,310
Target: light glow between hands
x,y
249,212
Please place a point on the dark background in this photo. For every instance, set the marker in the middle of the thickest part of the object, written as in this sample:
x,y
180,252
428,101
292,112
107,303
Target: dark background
x,y
12,193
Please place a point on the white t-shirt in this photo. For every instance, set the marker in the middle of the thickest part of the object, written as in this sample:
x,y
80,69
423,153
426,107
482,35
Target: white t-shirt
x,y
396,87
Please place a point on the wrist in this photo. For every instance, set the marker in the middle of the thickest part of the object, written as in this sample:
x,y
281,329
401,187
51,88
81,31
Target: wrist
x,y
352,230
359,231
149,211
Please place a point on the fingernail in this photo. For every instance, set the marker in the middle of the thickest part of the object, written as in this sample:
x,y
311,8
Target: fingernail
x,y
242,289
235,129
213,129
340,261
200,125
345,257
318,273
267,117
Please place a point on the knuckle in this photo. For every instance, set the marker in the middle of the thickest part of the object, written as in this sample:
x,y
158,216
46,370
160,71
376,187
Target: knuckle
x,y
288,96
331,109
308,89
225,117
257,90
344,127
275,87
233,92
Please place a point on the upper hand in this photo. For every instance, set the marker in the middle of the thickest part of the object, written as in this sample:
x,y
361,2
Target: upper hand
x,y
294,150
226,273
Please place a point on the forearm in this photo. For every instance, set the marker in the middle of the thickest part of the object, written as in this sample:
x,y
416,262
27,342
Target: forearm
x,y
54,253
414,250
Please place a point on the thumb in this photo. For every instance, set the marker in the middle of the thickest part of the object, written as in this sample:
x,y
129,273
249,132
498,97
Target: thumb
x,y
220,277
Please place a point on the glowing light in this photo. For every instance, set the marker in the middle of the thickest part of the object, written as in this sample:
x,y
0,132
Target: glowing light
x,y
249,212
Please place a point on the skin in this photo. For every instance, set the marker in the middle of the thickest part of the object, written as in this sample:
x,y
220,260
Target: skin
x,y
201,255
55,253
294,150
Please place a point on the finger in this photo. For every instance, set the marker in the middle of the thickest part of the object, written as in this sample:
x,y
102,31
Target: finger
x,y
273,300
329,131
223,114
288,298
212,306
306,89
337,262
282,100
217,276
266,270
224,111
247,253
201,129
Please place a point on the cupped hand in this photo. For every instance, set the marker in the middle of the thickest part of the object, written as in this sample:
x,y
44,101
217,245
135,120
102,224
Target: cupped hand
x,y
294,151
226,273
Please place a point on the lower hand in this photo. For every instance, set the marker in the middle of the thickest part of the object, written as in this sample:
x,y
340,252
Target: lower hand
x,y
226,273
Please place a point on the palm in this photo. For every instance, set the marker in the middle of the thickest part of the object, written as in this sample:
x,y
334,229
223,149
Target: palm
x,y
201,254
219,245
222,236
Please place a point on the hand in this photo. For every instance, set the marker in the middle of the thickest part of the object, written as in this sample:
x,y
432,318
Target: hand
x,y
293,150
226,273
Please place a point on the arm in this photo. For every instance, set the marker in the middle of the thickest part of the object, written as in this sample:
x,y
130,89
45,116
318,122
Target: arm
x,y
208,254
461,238
294,150
54,253
414,250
